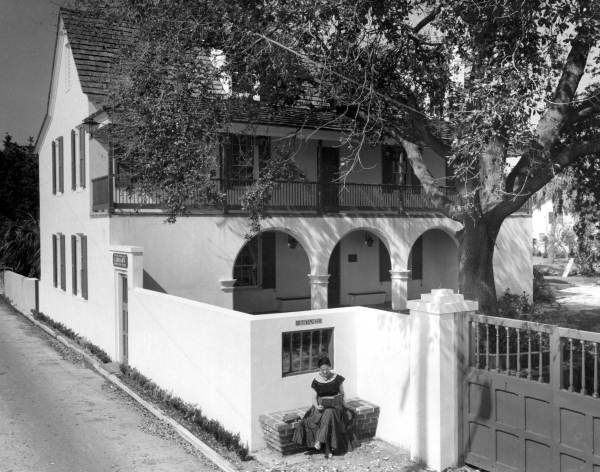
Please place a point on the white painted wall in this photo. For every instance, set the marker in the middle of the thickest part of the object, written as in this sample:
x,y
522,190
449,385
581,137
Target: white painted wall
x,y
199,352
363,275
440,264
69,213
20,290
513,257
382,353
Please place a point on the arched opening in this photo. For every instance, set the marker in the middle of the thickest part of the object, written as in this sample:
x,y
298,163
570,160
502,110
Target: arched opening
x,y
359,271
433,262
271,272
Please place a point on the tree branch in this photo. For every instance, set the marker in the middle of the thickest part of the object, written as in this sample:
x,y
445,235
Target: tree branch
x,y
427,19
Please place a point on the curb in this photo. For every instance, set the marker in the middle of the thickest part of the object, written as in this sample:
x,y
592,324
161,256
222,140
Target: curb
x,y
183,432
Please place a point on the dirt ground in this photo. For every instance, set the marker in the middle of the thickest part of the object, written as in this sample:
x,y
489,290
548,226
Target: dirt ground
x,y
577,298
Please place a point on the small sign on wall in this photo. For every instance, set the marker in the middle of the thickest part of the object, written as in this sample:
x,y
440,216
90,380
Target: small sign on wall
x,y
309,322
352,258
120,260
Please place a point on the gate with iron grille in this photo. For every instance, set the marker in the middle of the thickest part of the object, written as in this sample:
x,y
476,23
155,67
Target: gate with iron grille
x,y
531,397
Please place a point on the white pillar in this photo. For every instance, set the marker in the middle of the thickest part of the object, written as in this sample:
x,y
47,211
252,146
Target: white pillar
x,y
437,342
129,259
318,291
399,288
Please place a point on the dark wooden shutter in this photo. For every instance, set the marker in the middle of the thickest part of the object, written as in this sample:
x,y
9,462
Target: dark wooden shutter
x,y
54,261
269,274
385,264
264,150
61,166
82,157
417,260
74,263
387,164
63,272
54,167
73,160
84,267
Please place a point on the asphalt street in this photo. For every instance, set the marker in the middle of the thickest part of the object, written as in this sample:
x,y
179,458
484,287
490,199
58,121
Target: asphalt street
x,y
57,415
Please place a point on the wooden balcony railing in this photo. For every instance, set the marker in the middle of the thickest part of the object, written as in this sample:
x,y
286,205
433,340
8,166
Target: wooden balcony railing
x,y
286,196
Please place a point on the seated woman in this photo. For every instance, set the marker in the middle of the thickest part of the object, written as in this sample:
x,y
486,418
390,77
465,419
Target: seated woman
x,y
325,424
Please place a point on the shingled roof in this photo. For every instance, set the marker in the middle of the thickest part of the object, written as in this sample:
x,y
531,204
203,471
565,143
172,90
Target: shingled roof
x,y
94,45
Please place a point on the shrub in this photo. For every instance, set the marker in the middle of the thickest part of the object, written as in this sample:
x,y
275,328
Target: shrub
x,y
511,305
542,293
189,412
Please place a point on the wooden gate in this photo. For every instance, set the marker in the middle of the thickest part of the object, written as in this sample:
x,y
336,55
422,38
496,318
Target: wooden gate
x,y
531,397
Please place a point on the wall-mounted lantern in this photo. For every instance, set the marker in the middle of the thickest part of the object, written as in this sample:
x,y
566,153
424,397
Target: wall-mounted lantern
x,y
292,243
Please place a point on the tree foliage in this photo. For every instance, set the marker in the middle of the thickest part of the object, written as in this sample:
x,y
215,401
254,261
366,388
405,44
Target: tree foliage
x,y
493,85
19,227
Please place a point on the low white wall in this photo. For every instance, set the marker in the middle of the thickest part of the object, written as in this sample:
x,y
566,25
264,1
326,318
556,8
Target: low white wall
x,y
271,391
199,352
21,291
230,363
383,371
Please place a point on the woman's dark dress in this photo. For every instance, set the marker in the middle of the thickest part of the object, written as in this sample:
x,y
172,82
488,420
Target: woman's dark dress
x,y
330,425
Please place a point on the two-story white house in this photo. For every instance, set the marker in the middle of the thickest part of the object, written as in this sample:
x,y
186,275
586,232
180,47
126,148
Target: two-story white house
x,y
374,240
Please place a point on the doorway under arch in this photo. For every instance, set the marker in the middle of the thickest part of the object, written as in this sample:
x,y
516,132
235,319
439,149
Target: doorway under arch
x,y
271,272
433,262
359,271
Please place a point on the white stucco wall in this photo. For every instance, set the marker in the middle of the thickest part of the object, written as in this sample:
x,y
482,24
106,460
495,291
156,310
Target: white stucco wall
x,y
199,352
20,290
68,213
513,257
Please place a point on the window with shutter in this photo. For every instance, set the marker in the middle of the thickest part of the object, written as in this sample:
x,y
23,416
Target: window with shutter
x,y
84,267
74,263
54,261
82,157
63,274
391,163
54,167
61,165
73,160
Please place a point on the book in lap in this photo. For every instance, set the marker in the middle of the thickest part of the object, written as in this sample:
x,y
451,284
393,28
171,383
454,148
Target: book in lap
x,y
333,401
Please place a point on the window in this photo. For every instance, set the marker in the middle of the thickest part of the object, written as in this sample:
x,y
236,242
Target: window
x,y
243,156
82,174
61,165
73,159
53,167
301,350
415,260
58,261
255,265
79,265
392,162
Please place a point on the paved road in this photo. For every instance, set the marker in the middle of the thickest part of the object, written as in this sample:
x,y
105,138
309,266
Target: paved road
x,y
58,415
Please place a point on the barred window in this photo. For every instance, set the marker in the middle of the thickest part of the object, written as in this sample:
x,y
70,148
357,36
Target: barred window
x,y
301,350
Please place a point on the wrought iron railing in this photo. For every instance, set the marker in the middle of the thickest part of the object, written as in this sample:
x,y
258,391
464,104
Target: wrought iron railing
x,y
295,196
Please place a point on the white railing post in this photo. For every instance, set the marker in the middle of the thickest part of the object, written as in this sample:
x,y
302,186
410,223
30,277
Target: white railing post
x,y
437,357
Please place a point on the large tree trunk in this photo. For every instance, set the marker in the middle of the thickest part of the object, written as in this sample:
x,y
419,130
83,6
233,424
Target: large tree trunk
x,y
476,253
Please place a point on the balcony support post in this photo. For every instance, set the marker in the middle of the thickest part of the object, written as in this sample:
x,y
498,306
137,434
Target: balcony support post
x,y
399,288
319,285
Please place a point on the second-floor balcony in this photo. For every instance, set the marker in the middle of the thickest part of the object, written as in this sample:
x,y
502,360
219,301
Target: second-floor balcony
x,y
286,197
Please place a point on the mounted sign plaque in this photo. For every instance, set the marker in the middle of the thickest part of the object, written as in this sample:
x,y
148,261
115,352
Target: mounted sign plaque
x,y
120,260
309,322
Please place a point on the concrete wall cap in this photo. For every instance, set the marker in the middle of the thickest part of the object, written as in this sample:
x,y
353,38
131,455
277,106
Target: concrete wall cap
x,y
129,249
441,301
